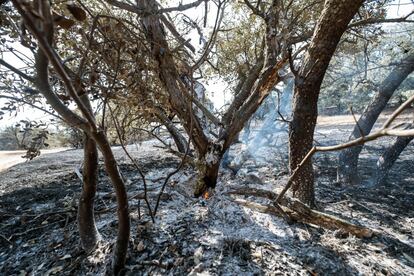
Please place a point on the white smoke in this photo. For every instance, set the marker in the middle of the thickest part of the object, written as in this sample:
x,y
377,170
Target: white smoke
x,y
268,127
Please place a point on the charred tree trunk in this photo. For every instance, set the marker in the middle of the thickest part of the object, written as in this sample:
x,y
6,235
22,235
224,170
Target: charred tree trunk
x,y
169,75
208,167
178,138
88,232
348,158
388,158
121,247
301,131
332,23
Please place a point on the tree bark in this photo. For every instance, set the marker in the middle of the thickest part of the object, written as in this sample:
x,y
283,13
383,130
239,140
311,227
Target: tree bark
x,y
348,158
296,210
169,74
301,212
332,23
178,138
88,232
388,158
121,247
208,167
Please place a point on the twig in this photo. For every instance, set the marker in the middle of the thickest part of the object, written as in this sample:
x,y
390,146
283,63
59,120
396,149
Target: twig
x,y
34,229
292,176
134,163
185,155
3,237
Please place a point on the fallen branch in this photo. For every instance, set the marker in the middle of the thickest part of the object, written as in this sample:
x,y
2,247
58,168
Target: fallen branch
x,y
300,212
310,217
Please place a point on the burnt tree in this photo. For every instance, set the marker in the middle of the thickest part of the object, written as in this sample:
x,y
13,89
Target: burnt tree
x,y
388,158
38,20
331,25
348,158
253,90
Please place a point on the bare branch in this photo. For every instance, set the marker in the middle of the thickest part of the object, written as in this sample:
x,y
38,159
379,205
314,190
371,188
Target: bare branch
x,y
212,40
32,105
17,71
181,7
116,124
254,9
383,131
371,21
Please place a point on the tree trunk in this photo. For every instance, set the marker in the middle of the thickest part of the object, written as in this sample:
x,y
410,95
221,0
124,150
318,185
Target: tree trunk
x,y
121,247
178,138
348,158
208,167
301,131
88,232
89,126
332,23
388,158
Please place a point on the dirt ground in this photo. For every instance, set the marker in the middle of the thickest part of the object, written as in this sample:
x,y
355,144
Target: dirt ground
x,y
11,158
216,236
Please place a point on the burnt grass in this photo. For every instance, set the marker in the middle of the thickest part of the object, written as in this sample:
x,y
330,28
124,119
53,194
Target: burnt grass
x,y
38,233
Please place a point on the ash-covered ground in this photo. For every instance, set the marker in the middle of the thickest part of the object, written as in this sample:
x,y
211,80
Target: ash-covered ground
x,y
214,236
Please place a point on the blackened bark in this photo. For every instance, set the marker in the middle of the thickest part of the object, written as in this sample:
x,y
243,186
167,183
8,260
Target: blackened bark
x,y
208,168
121,247
348,158
207,178
332,23
388,158
88,232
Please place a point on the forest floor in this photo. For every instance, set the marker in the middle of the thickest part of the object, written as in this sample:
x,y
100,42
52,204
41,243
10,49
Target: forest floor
x,y
214,236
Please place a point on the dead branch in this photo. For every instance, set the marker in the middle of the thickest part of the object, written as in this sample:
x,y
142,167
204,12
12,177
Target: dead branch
x,y
302,213
134,162
370,21
212,40
17,71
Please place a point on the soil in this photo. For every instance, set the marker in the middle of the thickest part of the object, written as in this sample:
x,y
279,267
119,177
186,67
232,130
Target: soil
x,y
214,236
11,158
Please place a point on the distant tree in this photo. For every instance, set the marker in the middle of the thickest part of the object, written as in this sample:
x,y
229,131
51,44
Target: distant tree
x,y
348,158
388,158
9,139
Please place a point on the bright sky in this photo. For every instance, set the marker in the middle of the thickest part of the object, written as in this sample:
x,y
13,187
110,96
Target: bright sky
x,y
215,89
